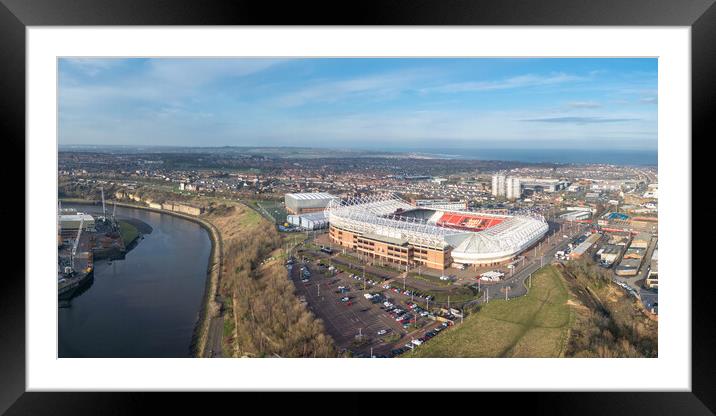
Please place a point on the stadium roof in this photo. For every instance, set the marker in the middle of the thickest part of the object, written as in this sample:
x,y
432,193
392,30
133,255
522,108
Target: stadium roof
x,y
312,195
375,215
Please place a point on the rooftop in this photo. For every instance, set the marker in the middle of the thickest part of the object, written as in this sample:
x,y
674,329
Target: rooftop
x,y
312,195
76,217
313,216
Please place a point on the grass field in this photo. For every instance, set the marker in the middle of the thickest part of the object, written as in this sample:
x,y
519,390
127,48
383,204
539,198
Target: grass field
x,y
534,325
128,232
429,278
272,208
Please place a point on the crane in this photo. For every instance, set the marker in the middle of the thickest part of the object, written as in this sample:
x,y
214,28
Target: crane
x,y
77,243
59,223
114,211
104,211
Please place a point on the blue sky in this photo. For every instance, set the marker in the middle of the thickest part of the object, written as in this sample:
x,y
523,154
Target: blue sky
x,y
576,103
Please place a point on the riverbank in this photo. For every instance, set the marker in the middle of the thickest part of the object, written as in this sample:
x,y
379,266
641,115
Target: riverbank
x,y
209,306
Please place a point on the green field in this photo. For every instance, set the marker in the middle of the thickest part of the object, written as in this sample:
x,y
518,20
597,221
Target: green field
x,y
534,325
429,278
128,232
274,209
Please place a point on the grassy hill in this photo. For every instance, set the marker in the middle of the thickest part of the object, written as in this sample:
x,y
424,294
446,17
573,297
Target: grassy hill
x,y
535,325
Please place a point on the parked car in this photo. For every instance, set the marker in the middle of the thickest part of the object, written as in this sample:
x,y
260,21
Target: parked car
x,y
382,332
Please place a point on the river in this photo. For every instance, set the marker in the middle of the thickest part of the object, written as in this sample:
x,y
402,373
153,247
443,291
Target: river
x,y
145,305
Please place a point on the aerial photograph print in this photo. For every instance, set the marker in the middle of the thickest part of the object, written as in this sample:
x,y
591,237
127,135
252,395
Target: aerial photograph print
x,y
354,207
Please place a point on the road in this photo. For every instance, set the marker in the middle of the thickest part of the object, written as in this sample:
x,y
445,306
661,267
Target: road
x,y
216,332
213,343
516,283
648,297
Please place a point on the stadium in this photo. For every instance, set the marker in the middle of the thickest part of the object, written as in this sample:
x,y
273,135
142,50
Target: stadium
x,y
386,227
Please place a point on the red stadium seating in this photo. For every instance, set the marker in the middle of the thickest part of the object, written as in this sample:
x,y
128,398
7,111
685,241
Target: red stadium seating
x,y
467,221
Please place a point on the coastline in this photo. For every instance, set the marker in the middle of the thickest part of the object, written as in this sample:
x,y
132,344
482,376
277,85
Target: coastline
x,y
213,275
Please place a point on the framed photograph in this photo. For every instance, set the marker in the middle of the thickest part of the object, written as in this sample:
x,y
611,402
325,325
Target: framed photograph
x,y
476,206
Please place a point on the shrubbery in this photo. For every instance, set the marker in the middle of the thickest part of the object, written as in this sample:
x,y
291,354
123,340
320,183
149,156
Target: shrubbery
x,y
612,325
270,320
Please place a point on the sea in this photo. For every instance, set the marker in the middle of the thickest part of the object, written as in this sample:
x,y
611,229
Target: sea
x,y
561,156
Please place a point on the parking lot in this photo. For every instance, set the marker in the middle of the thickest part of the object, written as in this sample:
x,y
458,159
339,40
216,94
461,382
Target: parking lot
x,y
459,276
353,321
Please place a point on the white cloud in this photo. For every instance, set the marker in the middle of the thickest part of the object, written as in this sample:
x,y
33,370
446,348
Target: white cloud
x,y
376,86
92,66
521,81
584,104
164,81
196,71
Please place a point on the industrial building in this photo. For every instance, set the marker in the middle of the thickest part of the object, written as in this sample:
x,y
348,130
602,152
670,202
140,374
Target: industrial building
x,y
634,253
628,267
632,259
388,228
303,203
645,224
70,222
584,246
581,208
618,240
576,215
609,253
614,220
311,221
641,240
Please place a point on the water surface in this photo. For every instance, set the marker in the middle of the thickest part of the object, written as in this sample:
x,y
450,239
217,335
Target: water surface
x,y
145,305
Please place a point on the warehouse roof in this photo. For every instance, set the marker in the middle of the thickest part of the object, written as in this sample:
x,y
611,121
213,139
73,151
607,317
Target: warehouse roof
x,y
586,244
314,216
611,249
642,236
76,217
629,264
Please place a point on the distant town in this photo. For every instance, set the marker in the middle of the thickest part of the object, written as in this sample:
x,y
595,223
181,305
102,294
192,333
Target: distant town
x,y
385,254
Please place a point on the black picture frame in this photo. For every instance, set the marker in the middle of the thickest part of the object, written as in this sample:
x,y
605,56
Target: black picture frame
x,y
16,15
